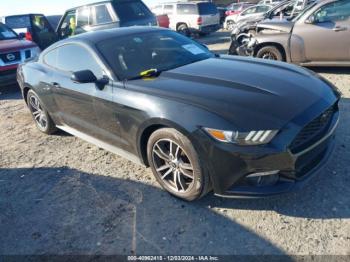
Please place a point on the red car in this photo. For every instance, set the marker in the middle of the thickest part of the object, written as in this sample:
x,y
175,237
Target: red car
x,y
13,51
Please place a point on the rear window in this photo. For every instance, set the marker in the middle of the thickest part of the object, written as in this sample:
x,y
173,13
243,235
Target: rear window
x,y
131,10
20,21
6,33
187,9
207,9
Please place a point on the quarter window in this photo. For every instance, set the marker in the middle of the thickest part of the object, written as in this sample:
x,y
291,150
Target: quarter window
x,y
51,58
187,9
168,9
83,59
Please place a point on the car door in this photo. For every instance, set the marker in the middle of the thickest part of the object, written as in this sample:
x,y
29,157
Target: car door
x,y
42,32
246,14
79,105
325,33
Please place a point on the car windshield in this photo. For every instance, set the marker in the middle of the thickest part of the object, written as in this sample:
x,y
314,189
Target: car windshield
x,y
18,21
7,33
132,56
307,8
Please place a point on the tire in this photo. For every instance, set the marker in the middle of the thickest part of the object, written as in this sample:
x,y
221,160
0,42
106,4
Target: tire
x,y
40,115
270,52
182,165
183,29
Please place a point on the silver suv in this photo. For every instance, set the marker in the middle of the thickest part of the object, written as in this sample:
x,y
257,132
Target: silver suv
x,y
197,17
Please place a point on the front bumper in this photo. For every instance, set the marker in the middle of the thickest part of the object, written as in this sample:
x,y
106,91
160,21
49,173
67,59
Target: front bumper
x,y
230,165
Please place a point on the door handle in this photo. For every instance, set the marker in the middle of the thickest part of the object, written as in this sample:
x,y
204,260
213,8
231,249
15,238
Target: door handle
x,y
55,84
339,28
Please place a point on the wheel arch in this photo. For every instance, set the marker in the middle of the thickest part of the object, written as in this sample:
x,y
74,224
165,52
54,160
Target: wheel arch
x,y
274,44
148,128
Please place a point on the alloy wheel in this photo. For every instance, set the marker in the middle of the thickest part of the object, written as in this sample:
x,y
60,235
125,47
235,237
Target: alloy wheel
x,y
173,165
38,112
269,55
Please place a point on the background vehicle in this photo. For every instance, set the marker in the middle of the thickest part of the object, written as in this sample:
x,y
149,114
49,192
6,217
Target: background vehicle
x,y
253,12
13,51
236,8
54,20
103,15
35,27
191,17
163,20
243,30
127,90
318,36
269,2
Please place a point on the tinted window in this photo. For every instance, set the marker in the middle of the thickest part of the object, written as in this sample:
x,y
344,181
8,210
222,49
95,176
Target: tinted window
x,y
162,50
20,21
251,10
336,11
168,9
131,10
68,26
41,25
102,15
83,59
51,58
207,9
187,9
6,33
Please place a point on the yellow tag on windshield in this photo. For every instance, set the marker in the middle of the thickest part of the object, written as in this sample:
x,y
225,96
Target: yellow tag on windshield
x,y
148,72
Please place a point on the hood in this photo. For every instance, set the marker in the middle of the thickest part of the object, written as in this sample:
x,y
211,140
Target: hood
x,y
276,24
247,92
15,44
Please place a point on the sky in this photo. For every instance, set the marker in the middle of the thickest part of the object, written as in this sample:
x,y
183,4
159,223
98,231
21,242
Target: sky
x,y
13,7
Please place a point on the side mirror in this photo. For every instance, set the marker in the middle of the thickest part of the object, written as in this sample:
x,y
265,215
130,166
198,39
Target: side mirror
x,y
83,77
310,20
86,76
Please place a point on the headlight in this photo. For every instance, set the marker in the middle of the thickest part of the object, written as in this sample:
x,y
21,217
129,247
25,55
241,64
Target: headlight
x,y
34,52
259,137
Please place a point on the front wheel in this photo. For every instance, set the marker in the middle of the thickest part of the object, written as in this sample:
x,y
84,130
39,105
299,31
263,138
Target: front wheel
x,y
183,29
40,116
176,165
270,52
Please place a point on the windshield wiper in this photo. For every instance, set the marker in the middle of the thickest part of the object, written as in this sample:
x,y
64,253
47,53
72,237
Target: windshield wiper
x,y
153,72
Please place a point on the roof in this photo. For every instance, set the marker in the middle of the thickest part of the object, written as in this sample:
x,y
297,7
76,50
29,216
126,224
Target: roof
x,y
99,2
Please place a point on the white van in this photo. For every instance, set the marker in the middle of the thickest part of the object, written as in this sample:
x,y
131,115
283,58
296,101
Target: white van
x,y
187,17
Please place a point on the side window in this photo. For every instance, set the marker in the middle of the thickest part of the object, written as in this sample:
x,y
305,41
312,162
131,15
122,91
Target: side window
x,y
251,10
68,25
51,58
102,15
168,9
187,9
334,12
261,9
41,25
83,17
83,60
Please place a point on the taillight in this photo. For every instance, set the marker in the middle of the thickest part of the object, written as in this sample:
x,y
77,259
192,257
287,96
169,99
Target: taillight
x,y
199,21
29,36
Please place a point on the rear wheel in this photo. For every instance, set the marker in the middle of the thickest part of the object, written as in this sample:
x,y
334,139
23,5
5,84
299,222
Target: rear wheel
x,y
40,116
270,52
176,164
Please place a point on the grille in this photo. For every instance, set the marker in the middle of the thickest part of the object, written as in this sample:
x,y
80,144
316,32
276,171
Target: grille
x,y
8,72
10,57
313,131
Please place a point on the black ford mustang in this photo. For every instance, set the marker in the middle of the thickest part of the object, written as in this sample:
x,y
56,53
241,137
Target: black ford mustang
x,y
237,126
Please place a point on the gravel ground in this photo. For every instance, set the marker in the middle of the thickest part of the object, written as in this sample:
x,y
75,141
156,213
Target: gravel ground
x,y
60,195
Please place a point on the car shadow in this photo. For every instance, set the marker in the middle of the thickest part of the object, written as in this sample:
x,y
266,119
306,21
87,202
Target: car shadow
x,y
10,92
66,211
326,196
331,70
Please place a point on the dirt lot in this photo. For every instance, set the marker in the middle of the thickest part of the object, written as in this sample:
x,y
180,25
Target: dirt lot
x,y
60,195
